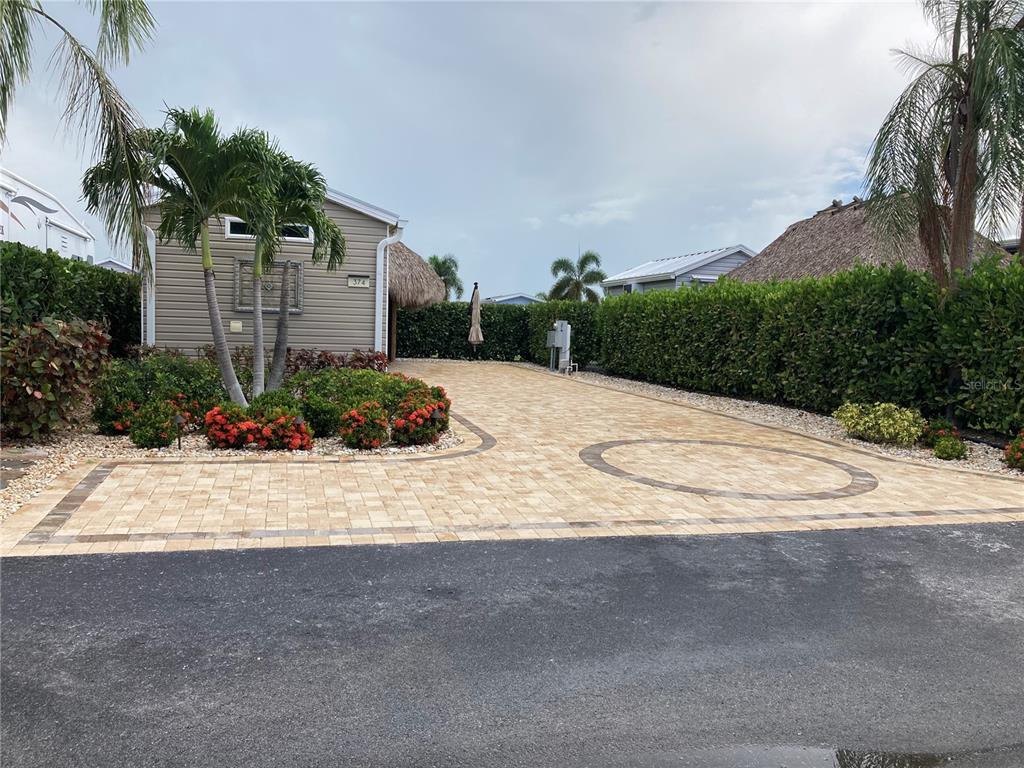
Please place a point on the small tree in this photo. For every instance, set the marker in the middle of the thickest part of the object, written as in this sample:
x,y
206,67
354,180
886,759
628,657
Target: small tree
x,y
573,280
447,268
199,175
298,199
950,154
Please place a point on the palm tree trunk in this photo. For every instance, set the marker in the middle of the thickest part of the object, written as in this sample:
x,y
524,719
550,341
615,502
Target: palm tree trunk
x,y
258,356
1020,241
965,193
281,339
220,342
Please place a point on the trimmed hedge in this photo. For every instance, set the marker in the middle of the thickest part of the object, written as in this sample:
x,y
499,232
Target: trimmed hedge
x,y
39,284
442,331
582,316
983,335
868,335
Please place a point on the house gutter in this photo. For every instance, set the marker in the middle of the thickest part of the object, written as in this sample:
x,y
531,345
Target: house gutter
x,y
380,302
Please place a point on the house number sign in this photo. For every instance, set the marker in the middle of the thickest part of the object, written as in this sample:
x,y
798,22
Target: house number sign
x,y
358,281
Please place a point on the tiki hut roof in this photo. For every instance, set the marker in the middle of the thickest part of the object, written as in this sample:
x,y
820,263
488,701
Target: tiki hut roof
x,y
412,282
833,240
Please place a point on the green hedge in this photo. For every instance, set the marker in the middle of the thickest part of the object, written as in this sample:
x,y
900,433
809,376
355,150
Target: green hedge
x,y
38,285
442,331
868,335
983,336
585,342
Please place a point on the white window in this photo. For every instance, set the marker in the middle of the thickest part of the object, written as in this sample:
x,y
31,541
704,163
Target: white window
x,y
235,228
271,287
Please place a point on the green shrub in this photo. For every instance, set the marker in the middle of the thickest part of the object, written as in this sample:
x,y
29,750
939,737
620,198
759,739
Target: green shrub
x,y
1013,456
585,344
39,284
948,448
881,423
323,416
365,426
442,330
46,369
153,425
347,388
277,399
193,385
936,429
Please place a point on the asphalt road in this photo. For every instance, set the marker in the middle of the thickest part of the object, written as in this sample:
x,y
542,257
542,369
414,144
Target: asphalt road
x,y
714,651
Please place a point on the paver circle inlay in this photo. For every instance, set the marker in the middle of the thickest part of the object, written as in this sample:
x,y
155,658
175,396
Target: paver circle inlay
x,y
861,481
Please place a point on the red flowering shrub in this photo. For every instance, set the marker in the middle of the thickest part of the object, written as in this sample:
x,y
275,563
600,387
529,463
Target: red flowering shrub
x,y
365,426
279,432
938,429
421,417
153,425
230,426
1014,454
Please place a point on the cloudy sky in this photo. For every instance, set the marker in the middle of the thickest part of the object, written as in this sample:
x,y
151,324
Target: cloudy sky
x,y
512,134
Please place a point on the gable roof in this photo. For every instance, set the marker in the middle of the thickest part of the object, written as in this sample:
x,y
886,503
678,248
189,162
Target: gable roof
x,y
834,240
673,266
373,211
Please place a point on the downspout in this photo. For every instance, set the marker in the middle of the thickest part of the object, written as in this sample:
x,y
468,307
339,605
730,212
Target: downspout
x,y
381,289
148,285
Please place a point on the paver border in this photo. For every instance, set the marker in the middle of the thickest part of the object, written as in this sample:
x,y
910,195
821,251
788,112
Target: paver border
x,y
861,481
44,531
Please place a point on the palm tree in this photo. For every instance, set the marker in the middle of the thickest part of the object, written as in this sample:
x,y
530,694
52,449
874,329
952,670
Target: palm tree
x,y
447,268
573,279
949,155
199,175
93,107
298,200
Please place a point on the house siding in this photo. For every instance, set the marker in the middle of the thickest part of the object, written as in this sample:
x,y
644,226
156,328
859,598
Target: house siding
x,y
716,268
334,316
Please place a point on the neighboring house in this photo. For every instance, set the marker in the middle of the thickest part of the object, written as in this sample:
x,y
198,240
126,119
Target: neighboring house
x,y
115,266
32,216
675,271
833,240
513,298
338,311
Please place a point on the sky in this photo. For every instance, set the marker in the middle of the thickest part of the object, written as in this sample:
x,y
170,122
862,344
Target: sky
x,y
513,134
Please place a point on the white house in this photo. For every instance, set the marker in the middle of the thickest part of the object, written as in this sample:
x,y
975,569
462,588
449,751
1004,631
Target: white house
x,y
675,271
512,298
32,216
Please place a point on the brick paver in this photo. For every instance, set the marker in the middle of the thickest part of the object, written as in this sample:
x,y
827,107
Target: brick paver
x,y
545,456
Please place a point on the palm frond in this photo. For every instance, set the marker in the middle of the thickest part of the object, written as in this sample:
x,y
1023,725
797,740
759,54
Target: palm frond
x,y
589,259
17,20
562,288
124,25
593,276
562,266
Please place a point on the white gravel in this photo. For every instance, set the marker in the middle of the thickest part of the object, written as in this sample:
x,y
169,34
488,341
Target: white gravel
x,y
62,451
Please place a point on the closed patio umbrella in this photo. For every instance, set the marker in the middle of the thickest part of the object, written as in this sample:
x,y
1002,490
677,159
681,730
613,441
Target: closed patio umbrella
x,y
476,336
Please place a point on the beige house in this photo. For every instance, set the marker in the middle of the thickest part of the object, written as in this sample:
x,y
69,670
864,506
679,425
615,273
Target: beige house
x,y
338,311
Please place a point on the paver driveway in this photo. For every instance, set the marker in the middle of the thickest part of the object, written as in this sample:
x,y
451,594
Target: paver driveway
x,y
545,456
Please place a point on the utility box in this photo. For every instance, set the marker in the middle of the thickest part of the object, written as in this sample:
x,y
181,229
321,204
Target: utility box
x,y
560,343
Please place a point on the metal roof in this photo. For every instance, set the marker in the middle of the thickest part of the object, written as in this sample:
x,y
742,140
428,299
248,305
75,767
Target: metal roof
x,y
673,266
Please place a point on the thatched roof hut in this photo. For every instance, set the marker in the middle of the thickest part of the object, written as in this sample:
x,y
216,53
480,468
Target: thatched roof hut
x,y
833,240
412,283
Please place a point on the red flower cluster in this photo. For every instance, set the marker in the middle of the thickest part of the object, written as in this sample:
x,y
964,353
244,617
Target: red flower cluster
x,y
422,416
125,413
365,426
189,409
1014,453
229,426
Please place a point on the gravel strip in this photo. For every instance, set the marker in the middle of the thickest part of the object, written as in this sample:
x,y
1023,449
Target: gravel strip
x,y
64,450
980,457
